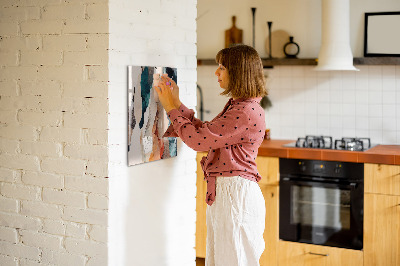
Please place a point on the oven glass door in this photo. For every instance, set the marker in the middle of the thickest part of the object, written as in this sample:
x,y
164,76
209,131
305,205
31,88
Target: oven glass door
x,y
322,213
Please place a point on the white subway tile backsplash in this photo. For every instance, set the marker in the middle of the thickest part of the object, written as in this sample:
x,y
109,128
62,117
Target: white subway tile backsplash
x,y
367,102
348,132
389,136
323,109
362,110
362,97
388,124
362,123
323,95
389,97
375,97
389,110
349,121
348,109
375,110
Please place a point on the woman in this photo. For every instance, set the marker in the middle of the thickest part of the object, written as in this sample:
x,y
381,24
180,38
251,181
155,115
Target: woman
x,y
236,211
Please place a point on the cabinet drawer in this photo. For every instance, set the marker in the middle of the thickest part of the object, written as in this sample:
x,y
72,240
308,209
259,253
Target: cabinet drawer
x,y
382,179
299,254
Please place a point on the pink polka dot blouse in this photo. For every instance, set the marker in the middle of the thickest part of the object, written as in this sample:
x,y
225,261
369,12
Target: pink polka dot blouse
x,y
232,139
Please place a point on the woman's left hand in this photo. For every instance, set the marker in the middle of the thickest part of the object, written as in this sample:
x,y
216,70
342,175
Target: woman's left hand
x,y
165,95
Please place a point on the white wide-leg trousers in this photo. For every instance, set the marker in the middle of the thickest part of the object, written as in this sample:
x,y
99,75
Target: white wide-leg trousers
x,y
235,223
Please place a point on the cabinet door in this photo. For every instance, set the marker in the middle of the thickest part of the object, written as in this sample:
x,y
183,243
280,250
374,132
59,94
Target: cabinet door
x,y
299,254
382,179
271,232
268,168
201,205
381,230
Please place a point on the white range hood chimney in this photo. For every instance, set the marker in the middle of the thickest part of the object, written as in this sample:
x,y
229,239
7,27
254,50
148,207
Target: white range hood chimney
x,y
335,53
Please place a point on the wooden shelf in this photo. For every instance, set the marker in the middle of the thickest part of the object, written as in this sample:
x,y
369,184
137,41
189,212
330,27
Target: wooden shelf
x,y
269,63
377,61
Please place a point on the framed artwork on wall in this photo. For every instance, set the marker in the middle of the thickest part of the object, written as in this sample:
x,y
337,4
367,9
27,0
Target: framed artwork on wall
x,y
381,34
147,119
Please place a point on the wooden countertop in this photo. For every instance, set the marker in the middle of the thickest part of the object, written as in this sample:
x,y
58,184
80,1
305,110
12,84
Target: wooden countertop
x,y
380,154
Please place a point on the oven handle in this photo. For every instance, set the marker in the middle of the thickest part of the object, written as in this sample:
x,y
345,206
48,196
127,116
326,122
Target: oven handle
x,y
310,182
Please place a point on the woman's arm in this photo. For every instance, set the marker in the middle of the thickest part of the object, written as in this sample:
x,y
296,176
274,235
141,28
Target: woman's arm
x,y
232,128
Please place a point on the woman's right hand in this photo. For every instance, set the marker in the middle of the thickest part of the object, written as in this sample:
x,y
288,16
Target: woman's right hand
x,y
175,90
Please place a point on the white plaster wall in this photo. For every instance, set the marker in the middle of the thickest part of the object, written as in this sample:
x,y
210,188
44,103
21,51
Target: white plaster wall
x,y
53,132
152,205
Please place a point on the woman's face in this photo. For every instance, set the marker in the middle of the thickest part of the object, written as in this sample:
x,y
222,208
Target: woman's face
x,y
223,76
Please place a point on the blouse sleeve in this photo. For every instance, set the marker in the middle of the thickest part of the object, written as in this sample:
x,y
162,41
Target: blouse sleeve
x,y
231,128
185,112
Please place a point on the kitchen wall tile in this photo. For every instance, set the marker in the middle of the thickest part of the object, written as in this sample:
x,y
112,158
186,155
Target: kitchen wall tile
x,y
336,109
285,82
349,96
375,110
325,131
375,84
348,132
322,82
298,83
323,95
323,121
375,123
349,122
362,133
389,110
336,121
388,97
389,84
310,82
362,97
362,123
298,72
376,136
375,97
348,109
389,136
310,95
336,81
389,124
397,73
362,78
311,123
286,71
362,110
323,109
336,96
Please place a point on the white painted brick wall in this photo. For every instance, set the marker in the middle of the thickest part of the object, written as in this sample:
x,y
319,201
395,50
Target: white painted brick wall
x,y
53,137
148,201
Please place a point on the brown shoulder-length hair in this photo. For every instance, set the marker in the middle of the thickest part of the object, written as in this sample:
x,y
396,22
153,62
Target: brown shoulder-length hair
x,y
245,69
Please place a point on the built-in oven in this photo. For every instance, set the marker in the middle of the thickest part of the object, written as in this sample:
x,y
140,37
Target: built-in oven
x,y
321,202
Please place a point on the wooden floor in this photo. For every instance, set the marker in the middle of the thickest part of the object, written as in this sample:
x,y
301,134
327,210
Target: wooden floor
x,y
200,262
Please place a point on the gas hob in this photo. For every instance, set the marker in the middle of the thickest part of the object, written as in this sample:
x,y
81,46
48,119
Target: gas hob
x,y
327,142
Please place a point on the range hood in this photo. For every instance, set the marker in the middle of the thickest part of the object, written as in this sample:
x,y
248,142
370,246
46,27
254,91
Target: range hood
x,y
335,52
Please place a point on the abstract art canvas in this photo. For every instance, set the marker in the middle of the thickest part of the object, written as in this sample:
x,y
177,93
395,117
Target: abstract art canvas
x,y
147,120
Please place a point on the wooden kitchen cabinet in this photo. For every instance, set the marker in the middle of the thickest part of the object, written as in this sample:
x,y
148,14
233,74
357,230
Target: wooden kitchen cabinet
x,y
382,215
382,179
271,232
201,205
300,254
